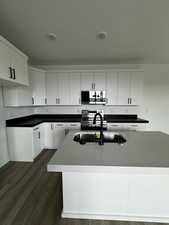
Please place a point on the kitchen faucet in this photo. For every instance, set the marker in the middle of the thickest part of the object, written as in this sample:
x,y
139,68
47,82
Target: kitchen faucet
x,y
101,141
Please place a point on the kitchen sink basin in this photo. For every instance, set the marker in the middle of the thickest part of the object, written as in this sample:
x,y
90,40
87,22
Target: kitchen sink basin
x,y
108,137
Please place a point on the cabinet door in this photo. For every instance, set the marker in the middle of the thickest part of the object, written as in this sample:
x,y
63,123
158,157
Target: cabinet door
x,y
112,88
136,83
5,61
19,64
123,88
36,142
99,81
148,195
37,80
58,135
52,88
17,96
48,134
74,89
87,81
64,88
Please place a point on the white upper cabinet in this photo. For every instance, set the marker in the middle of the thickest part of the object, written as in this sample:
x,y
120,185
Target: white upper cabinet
x,y
64,88
74,88
93,81
38,86
87,81
5,60
13,64
112,88
20,68
17,96
99,81
123,88
136,87
130,88
52,88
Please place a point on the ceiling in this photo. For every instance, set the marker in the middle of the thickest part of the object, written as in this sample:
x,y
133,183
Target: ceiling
x,y
138,30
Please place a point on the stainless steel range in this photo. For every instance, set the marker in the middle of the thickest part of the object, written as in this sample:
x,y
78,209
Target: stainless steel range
x,y
87,120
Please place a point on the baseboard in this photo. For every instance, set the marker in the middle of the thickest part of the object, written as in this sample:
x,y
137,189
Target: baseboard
x,y
115,217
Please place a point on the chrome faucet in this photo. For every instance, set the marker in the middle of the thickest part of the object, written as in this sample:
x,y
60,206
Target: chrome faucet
x,y
101,140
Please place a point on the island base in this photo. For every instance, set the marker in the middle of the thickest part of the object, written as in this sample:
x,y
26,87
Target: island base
x,y
130,196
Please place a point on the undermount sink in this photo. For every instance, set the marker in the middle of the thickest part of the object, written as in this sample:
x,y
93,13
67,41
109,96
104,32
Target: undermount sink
x,y
108,137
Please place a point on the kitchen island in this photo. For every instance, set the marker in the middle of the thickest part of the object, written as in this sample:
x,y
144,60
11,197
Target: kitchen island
x,y
128,182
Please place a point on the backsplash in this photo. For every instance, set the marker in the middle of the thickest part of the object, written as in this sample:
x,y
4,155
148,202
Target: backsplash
x,y
78,109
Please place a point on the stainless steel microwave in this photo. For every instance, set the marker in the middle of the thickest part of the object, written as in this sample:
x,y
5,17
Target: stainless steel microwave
x,y
93,97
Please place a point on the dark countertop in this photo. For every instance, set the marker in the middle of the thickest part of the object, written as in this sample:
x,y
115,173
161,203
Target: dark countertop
x,y
36,119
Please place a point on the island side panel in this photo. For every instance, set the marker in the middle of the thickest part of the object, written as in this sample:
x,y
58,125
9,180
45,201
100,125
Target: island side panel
x,y
94,194
132,197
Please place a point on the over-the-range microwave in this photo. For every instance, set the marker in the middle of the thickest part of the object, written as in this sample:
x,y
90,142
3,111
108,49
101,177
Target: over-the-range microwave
x,y
93,97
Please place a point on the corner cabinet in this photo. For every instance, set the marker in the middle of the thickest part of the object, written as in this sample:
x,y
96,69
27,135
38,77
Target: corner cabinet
x,y
13,64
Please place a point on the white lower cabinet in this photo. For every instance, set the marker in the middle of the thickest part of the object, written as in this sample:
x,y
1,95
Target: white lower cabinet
x,y
127,126
55,133
36,142
24,143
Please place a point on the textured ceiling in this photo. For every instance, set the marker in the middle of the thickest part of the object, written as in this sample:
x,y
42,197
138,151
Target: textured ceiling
x,y
138,30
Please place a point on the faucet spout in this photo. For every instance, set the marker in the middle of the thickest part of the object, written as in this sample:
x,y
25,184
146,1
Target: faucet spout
x,y
101,140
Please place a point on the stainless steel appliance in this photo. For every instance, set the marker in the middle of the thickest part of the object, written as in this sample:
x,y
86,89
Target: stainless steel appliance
x,y
93,97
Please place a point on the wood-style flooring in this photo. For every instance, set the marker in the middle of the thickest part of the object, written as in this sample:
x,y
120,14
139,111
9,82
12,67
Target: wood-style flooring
x,y
29,195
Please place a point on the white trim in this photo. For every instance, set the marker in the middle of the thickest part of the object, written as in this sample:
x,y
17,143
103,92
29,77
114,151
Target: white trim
x,y
107,169
115,217
94,68
36,69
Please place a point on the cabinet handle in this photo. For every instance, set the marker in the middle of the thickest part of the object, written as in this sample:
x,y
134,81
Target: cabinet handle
x,y
10,70
46,101
14,74
33,101
52,126
39,134
130,100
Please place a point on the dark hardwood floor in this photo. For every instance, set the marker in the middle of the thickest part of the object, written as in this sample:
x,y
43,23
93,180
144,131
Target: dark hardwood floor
x,y
29,195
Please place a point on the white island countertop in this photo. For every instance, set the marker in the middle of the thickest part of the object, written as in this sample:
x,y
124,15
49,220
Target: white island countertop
x,y
142,150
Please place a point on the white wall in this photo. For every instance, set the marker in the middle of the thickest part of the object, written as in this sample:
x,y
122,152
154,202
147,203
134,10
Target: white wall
x,y
155,106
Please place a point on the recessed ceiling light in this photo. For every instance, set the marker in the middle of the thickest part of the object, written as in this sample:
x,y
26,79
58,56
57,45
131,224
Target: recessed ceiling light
x,y
51,36
101,35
